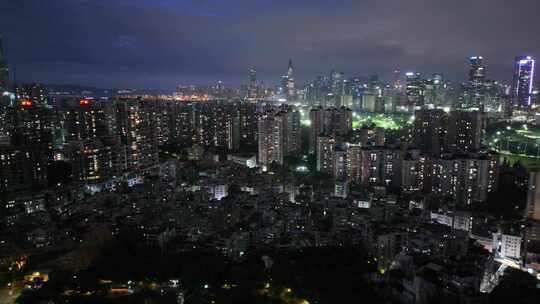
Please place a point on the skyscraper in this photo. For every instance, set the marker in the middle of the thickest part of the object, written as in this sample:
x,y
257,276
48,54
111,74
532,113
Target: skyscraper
x,y
430,130
433,90
325,154
477,72
397,80
136,126
415,89
270,138
290,121
531,232
316,116
291,89
247,119
24,158
4,71
288,84
532,209
465,131
252,87
337,121
477,79
465,178
523,82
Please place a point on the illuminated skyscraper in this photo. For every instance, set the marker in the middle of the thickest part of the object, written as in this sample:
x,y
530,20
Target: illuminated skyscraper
x,y
397,80
216,125
477,73
86,119
24,158
291,90
290,121
181,123
476,89
136,126
287,83
252,87
532,228
415,89
325,154
316,116
430,130
338,121
465,131
270,138
523,82
433,90
465,178
532,209
4,71
247,120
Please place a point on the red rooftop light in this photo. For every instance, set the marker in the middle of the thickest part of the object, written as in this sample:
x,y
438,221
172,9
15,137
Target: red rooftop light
x,y
26,103
84,102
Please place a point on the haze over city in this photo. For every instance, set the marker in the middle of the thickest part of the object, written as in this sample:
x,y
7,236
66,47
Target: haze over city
x,y
106,43
269,152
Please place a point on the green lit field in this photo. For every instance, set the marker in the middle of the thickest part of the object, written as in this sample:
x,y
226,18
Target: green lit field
x,y
516,142
384,121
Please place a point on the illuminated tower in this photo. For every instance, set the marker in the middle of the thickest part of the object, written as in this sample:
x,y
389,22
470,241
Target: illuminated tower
x,y
136,126
523,82
291,90
290,121
252,87
397,80
4,71
477,73
270,136
465,131
316,116
430,128
415,89
532,210
24,158
477,79
287,83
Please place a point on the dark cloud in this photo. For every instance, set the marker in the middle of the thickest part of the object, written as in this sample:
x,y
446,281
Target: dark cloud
x,y
159,43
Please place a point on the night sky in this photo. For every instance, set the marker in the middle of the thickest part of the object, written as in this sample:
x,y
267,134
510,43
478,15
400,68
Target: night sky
x,y
162,43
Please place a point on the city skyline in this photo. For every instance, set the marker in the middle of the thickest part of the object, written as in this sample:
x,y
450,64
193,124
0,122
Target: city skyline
x,y
258,151
201,43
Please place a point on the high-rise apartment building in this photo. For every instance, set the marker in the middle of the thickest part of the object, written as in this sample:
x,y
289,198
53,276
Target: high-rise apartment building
x,y
253,88
466,179
270,138
429,130
523,82
316,117
477,79
415,89
136,126
325,154
532,208
24,157
466,131
289,84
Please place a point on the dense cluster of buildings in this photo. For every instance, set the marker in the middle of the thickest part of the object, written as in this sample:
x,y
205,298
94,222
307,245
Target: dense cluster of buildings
x,y
252,174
